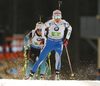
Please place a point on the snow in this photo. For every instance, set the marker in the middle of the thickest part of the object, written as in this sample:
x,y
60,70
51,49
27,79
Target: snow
x,y
15,82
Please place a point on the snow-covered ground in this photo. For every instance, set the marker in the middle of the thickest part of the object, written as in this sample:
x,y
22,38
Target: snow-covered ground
x,y
14,82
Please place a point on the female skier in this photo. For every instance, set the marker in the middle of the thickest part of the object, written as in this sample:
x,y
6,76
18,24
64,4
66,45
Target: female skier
x,y
35,49
55,40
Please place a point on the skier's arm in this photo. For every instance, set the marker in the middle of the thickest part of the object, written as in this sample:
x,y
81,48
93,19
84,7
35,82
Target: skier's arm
x,y
46,32
46,25
44,38
43,30
68,30
27,37
26,45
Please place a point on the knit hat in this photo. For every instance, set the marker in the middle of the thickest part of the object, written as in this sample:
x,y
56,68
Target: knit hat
x,y
57,13
39,26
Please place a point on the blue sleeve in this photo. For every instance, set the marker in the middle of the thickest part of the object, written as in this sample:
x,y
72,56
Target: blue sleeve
x,y
27,38
65,25
26,41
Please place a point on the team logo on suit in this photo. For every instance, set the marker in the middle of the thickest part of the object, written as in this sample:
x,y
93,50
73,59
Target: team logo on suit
x,y
56,28
38,39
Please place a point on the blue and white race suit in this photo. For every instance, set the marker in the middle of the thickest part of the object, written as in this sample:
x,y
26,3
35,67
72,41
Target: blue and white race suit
x,y
54,41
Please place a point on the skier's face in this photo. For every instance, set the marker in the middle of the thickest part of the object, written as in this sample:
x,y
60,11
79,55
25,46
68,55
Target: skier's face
x,y
39,30
57,19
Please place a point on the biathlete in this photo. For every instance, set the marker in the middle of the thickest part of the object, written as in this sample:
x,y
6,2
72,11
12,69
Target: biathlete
x,y
55,40
34,50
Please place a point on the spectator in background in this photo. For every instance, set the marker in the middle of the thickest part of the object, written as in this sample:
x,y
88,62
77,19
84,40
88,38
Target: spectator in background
x,y
98,74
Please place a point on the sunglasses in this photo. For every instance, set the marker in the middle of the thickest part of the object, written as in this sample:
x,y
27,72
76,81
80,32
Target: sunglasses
x,y
39,29
57,17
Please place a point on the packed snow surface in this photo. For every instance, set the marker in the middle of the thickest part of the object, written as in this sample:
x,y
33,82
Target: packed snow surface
x,y
14,82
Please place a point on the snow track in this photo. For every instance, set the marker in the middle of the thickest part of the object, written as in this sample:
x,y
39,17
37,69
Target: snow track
x,y
14,82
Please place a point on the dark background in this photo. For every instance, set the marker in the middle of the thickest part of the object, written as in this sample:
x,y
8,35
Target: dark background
x,y
20,17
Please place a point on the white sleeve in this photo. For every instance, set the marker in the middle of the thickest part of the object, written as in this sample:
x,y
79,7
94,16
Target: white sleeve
x,y
68,26
33,32
46,25
43,31
69,32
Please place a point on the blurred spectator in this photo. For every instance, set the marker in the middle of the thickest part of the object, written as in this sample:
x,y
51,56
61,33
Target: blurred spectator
x,y
1,49
98,74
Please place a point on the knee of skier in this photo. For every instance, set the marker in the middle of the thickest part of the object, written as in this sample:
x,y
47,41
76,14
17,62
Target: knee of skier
x,y
57,56
58,60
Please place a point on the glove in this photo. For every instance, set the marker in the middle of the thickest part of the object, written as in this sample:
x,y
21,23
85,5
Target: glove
x,y
42,42
66,42
25,48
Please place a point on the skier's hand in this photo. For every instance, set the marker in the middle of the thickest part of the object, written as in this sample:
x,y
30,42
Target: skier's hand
x,y
25,48
42,42
65,42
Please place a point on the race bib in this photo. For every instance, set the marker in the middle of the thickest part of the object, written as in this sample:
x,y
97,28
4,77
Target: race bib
x,y
37,43
57,34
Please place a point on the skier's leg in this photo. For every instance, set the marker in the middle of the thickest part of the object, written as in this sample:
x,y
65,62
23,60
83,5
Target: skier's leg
x,y
32,59
42,56
58,60
58,56
30,66
57,65
43,69
47,49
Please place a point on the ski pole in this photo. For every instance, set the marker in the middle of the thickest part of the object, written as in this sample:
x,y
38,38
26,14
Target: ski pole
x,y
72,74
49,60
59,2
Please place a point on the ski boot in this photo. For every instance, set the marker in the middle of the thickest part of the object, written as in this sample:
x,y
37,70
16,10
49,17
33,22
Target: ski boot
x,y
41,77
57,75
30,77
